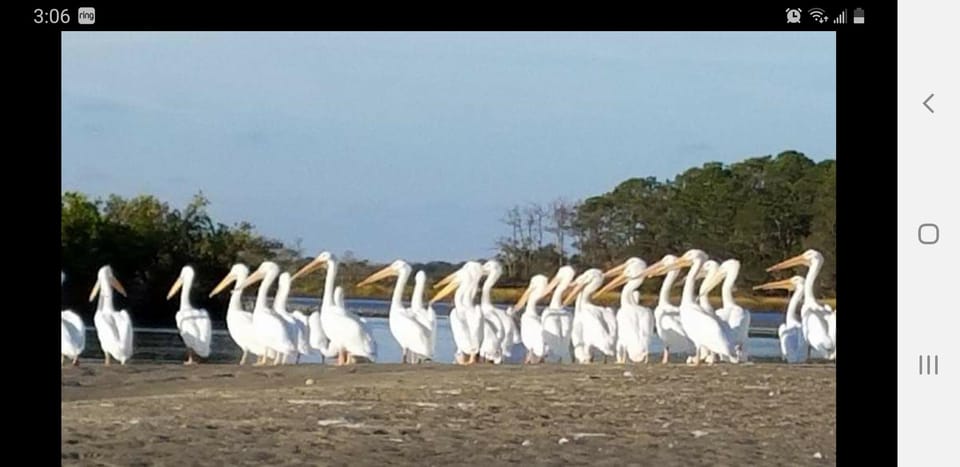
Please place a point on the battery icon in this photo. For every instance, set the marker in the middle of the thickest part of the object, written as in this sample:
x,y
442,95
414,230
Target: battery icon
x,y
858,16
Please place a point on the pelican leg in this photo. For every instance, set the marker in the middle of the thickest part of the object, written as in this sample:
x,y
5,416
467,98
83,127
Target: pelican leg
x,y
243,359
472,359
666,355
106,356
341,357
76,361
351,359
189,358
297,361
276,361
404,357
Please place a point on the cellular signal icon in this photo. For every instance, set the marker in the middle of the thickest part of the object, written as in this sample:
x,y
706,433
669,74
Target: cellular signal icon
x,y
841,18
818,15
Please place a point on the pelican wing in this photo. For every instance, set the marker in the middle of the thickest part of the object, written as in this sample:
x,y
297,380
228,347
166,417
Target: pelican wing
x,y
72,334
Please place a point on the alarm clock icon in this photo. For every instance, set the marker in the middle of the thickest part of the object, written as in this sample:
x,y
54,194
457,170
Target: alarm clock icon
x,y
793,15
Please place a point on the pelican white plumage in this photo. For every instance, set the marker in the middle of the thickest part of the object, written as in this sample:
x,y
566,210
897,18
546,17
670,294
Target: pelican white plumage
x,y
114,328
296,325
194,324
634,322
816,325
708,268
426,314
531,325
667,315
412,335
466,318
303,330
704,300
270,329
72,333
704,329
508,334
591,329
240,321
793,346
736,318
556,319
348,334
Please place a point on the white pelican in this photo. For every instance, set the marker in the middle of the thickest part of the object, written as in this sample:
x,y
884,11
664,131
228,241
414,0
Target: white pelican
x,y
303,328
634,322
193,323
558,321
816,325
114,328
508,332
271,330
736,318
425,314
704,329
296,325
239,321
667,315
72,333
317,339
704,300
591,329
347,332
793,346
412,335
466,319
531,326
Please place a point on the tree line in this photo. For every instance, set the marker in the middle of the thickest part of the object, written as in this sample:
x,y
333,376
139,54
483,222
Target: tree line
x,y
760,210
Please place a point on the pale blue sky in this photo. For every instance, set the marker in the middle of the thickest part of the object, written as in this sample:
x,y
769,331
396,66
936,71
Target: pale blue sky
x,y
413,145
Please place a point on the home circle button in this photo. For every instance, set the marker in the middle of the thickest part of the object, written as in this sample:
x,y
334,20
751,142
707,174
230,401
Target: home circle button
x,y
929,234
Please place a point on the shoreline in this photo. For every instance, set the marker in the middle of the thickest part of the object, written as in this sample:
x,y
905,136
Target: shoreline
x,y
507,296
446,414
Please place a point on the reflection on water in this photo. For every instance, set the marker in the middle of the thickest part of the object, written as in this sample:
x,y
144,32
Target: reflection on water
x,y
155,344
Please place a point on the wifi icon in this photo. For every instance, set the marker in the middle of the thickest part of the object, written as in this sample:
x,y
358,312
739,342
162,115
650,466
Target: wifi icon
x,y
818,15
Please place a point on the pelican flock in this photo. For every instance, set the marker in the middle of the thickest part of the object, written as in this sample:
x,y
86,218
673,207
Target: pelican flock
x,y
569,327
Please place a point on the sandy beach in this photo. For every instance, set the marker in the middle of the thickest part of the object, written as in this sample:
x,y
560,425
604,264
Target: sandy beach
x,y
223,414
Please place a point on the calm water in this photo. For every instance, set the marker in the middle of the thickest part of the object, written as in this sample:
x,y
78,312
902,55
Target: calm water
x,y
156,344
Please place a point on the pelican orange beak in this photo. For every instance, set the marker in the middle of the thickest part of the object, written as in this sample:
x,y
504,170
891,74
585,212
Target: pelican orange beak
x,y
96,289
617,282
523,299
712,281
317,263
679,264
113,282
377,276
253,279
616,271
445,280
176,286
227,280
786,284
572,294
552,285
451,283
798,260
656,269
